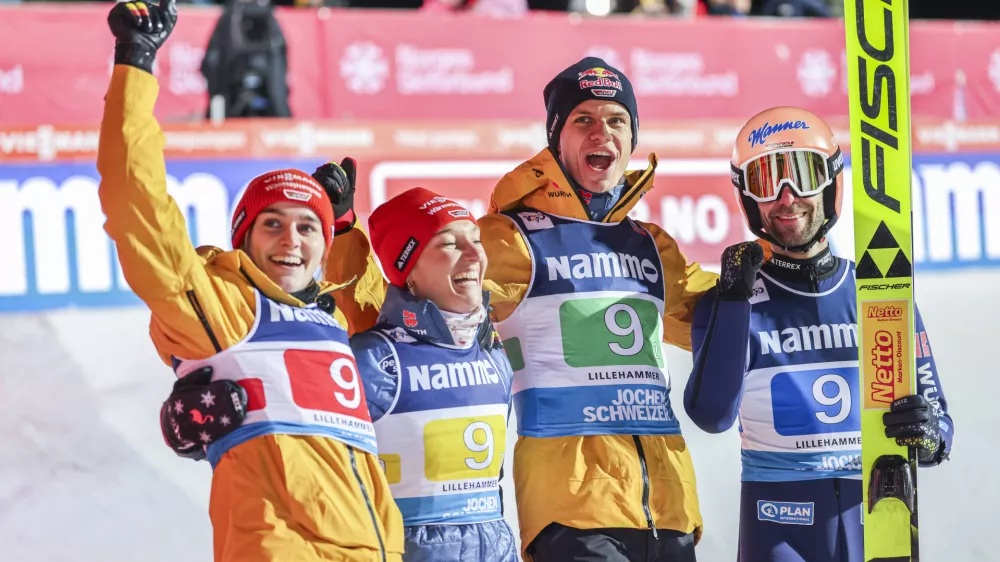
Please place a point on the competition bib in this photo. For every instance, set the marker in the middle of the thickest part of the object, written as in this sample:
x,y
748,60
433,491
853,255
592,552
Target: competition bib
x,y
442,443
799,416
300,376
585,342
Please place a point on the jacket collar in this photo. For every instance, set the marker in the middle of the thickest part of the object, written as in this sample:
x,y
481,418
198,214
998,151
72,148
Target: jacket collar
x,y
541,184
239,261
421,318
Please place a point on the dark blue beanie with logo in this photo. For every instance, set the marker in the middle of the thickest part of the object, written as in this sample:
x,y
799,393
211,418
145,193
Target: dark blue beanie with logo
x,y
589,79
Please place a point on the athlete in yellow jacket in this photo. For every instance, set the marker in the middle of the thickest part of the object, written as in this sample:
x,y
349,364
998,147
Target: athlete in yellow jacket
x,y
583,295
299,480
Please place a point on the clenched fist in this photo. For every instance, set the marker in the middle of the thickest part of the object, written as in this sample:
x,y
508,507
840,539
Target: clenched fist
x,y
140,28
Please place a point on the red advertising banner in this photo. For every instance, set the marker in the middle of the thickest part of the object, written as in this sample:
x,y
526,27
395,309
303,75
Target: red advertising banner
x,y
361,64
693,198
430,140
64,80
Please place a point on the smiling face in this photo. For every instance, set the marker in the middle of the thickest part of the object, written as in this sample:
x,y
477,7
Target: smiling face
x,y
595,144
450,271
792,220
286,242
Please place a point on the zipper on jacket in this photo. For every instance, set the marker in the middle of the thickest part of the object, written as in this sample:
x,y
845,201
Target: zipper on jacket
x,y
368,502
645,485
200,312
708,340
813,280
636,189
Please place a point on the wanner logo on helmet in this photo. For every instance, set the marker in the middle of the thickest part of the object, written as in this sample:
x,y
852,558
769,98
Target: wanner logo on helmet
x,y
760,134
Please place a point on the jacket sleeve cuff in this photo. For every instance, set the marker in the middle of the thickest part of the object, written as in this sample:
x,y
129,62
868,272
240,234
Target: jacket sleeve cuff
x,y
344,223
133,55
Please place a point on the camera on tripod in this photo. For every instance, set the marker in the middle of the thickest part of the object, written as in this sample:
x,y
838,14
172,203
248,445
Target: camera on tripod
x,y
246,63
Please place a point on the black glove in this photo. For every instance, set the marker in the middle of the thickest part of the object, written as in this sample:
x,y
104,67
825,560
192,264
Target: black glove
x,y
740,263
339,180
913,421
200,411
487,335
140,28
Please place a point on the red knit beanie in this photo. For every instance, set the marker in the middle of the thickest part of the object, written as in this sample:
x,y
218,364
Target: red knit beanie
x,y
401,227
293,186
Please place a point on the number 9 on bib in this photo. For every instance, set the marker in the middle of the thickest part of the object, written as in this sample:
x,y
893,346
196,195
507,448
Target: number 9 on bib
x,y
464,448
606,332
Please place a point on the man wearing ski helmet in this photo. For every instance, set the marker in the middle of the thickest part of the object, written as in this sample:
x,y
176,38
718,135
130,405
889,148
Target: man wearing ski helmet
x,y
775,343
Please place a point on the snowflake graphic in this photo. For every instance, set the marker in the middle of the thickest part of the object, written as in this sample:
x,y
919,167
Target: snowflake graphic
x,y
205,437
208,399
609,54
224,420
816,73
364,68
994,69
179,407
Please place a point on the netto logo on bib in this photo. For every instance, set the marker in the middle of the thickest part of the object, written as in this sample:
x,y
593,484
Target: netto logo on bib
x,y
404,256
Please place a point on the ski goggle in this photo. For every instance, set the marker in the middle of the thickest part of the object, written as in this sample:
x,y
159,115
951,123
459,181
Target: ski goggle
x,y
808,172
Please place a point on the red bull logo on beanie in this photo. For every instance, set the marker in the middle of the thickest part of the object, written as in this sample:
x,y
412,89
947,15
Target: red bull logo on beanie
x,y
597,72
599,78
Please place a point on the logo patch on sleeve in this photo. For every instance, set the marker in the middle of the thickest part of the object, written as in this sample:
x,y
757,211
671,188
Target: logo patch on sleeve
x,y
535,221
787,513
388,365
759,292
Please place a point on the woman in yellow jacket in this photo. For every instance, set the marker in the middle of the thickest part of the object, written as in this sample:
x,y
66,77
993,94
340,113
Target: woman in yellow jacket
x,y
300,479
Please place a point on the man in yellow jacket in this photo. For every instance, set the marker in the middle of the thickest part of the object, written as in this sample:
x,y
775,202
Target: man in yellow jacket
x,y
300,479
583,296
